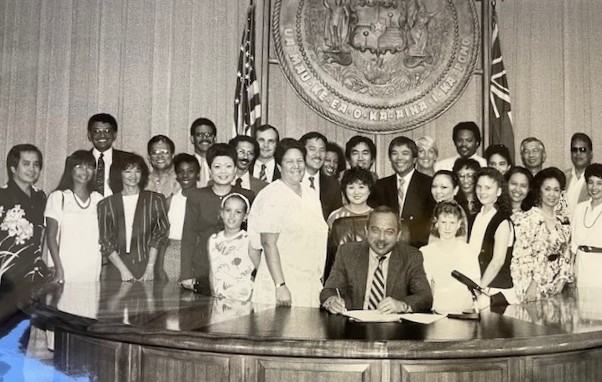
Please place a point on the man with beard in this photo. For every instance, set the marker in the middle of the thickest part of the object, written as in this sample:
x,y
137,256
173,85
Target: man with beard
x,y
162,178
467,139
581,157
327,187
264,167
247,150
380,273
202,136
407,192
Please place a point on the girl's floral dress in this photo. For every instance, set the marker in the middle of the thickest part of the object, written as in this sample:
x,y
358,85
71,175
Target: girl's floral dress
x,y
231,272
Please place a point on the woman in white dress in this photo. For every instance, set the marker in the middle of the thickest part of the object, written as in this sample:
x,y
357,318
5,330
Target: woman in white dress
x,y
586,229
72,224
287,219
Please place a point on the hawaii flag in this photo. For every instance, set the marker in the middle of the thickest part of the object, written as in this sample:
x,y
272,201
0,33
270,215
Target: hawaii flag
x,y
247,102
500,116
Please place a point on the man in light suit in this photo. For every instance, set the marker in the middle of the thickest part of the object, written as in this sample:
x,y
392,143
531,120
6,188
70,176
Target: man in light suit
x,y
581,157
327,187
359,265
407,192
247,150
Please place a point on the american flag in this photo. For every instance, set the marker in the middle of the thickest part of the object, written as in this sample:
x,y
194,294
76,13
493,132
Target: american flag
x,y
247,101
500,115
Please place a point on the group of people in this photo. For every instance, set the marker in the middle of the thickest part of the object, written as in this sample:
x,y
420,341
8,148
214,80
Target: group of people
x,y
251,219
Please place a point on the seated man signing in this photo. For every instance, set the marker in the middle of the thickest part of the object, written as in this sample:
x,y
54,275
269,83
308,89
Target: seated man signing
x,y
361,268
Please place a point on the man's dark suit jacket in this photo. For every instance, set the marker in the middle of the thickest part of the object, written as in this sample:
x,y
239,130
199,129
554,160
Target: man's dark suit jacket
x,y
406,279
417,208
330,194
276,172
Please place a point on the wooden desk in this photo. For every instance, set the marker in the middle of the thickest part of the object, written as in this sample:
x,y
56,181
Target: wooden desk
x,y
159,332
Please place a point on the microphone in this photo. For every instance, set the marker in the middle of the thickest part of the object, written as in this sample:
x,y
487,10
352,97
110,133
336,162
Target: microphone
x,y
468,282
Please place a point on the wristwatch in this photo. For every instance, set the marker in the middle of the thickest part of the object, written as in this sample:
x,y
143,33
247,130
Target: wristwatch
x,y
280,285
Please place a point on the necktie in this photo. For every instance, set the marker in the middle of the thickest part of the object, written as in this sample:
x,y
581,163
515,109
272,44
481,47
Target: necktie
x,y
262,174
238,183
377,289
400,194
100,175
311,182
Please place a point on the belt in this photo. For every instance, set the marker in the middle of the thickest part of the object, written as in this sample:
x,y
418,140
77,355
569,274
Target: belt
x,y
589,249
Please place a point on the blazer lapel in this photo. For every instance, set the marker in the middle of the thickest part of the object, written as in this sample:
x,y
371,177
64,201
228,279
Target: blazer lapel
x,y
137,225
120,221
395,267
361,258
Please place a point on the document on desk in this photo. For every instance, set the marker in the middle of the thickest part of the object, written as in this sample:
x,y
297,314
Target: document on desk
x,y
371,316
376,316
422,318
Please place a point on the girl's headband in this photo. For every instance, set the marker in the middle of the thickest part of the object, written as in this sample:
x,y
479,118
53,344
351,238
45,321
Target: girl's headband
x,y
244,198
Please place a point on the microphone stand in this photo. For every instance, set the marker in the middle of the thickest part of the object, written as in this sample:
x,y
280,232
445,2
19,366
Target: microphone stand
x,y
473,314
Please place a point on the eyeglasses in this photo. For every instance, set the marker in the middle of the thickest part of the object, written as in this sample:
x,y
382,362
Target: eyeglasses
x,y
204,135
160,152
578,149
97,132
466,176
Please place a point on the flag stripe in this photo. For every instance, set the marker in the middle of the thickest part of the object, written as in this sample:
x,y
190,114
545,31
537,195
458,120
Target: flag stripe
x,y
247,100
500,118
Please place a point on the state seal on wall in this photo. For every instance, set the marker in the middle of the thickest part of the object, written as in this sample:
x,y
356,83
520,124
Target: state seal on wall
x,y
377,66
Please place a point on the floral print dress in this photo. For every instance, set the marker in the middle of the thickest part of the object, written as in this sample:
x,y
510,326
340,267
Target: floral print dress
x,y
540,254
231,267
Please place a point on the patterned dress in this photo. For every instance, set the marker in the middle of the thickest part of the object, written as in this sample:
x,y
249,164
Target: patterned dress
x,y
231,267
540,254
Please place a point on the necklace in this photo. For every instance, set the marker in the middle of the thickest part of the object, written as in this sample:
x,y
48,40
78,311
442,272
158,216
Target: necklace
x,y
595,220
85,205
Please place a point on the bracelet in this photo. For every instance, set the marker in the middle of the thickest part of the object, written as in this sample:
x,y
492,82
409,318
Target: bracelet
x,y
280,285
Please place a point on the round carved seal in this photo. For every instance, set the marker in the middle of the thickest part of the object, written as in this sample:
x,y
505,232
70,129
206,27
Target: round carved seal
x,y
377,66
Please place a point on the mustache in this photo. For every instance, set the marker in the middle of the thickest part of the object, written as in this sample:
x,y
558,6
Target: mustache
x,y
205,141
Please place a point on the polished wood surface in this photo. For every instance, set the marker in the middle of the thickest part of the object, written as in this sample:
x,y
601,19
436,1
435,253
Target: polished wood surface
x,y
151,331
182,319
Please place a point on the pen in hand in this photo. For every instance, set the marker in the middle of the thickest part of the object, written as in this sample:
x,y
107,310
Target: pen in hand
x,y
339,296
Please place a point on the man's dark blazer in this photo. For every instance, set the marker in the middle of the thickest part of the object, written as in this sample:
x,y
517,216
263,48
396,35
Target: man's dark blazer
x,y
330,194
118,156
406,279
417,208
276,172
256,185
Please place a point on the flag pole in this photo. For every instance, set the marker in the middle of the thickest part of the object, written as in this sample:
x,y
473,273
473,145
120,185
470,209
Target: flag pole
x,y
486,65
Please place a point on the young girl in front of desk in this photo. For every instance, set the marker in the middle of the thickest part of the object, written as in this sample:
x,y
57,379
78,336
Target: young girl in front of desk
x,y
232,268
450,252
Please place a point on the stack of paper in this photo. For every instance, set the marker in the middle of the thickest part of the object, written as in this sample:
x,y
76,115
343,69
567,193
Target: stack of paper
x,y
376,316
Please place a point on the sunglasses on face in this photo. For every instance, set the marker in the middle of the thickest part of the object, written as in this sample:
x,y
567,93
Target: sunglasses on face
x,y
578,149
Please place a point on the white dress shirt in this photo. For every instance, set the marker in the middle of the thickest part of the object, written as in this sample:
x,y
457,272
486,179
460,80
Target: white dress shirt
x,y
107,157
372,264
269,169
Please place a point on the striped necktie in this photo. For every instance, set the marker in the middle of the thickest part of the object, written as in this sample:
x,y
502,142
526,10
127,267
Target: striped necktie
x,y
377,289
262,174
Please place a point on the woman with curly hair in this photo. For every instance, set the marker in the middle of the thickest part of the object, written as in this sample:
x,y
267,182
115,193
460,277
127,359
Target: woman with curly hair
x,y
490,233
541,262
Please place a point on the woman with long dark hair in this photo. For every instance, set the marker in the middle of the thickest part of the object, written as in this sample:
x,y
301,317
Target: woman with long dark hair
x,y
72,223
